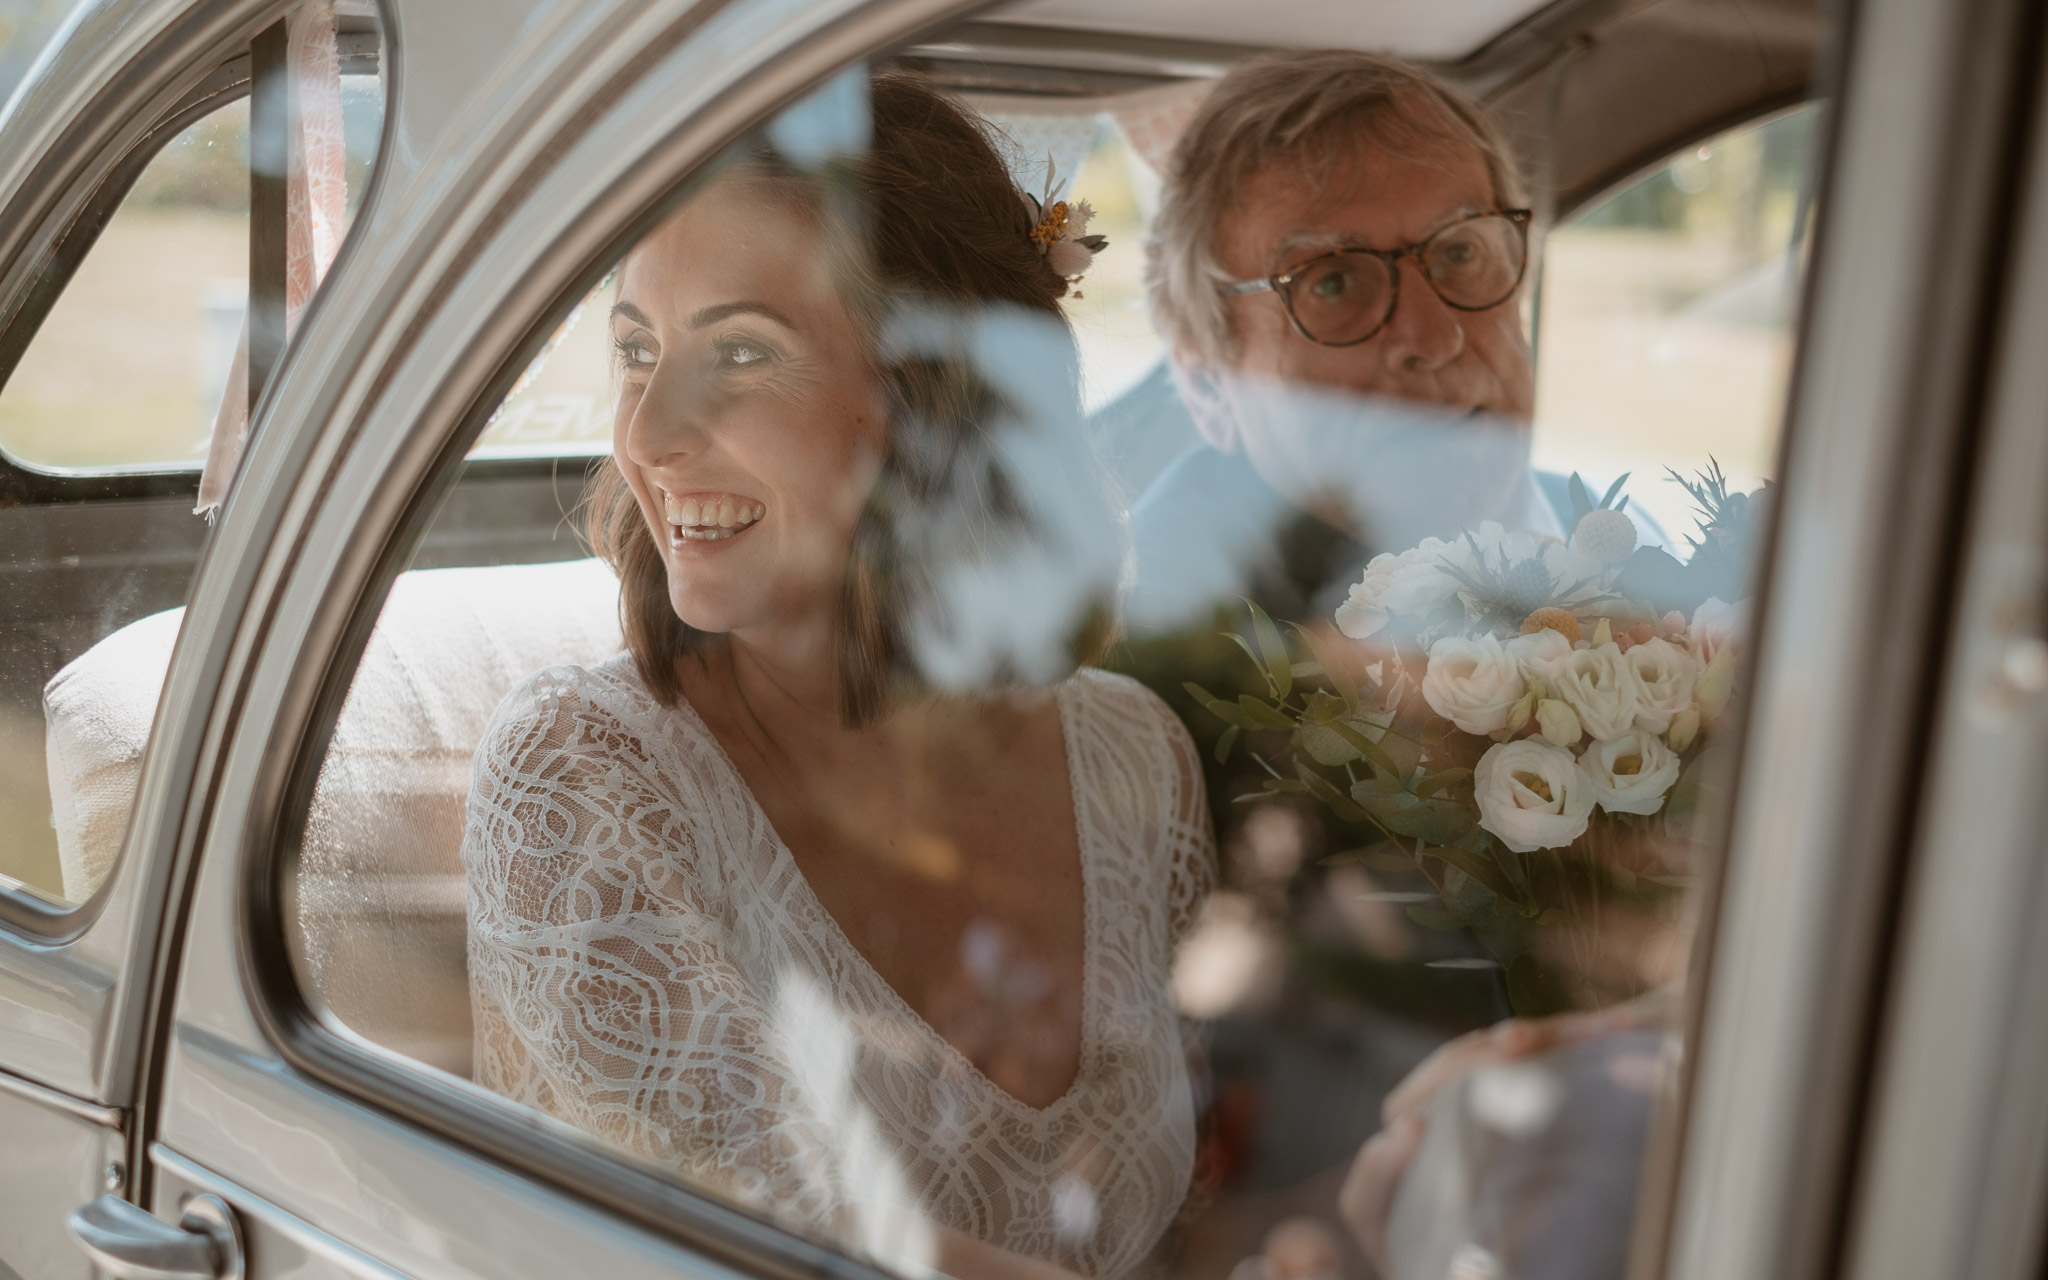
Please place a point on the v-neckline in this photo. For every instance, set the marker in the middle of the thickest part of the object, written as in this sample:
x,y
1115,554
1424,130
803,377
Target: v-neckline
x,y
783,860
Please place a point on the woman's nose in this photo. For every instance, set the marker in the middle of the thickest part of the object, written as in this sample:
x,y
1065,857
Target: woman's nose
x,y
1424,333
664,422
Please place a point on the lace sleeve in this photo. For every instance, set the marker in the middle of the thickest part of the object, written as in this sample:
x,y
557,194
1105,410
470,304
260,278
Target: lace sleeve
x,y
1167,767
599,981
1191,836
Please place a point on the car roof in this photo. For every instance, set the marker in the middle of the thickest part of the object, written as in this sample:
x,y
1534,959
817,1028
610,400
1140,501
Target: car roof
x,y
1419,30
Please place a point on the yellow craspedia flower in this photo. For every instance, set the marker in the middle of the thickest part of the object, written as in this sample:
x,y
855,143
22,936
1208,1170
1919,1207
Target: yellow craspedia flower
x,y
1551,618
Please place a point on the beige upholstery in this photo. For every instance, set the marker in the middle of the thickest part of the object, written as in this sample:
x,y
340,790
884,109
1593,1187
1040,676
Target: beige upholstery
x,y
378,933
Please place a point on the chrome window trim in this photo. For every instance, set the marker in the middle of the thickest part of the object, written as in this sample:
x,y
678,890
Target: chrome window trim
x,y
64,1103
1884,420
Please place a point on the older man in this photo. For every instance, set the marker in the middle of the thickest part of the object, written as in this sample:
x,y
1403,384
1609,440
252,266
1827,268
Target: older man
x,y
1338,266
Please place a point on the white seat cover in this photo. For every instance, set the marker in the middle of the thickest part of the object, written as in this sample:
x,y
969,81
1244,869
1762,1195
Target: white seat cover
x,y
379,927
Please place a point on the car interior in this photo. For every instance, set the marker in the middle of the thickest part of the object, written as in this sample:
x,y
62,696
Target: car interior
x,y
95,561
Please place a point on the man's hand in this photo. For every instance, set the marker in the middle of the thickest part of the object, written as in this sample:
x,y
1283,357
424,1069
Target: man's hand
x,y
1367,1197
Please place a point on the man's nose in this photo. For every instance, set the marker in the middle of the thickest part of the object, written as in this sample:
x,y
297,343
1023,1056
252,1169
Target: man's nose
x,y
668,422
1424,333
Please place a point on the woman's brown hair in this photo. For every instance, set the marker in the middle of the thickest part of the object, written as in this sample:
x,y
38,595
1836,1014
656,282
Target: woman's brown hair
x,y
937,232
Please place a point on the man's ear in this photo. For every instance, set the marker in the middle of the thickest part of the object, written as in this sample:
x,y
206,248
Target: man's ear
x,y
1207,405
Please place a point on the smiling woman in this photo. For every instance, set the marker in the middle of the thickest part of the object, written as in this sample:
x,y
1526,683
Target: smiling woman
x,y
783,828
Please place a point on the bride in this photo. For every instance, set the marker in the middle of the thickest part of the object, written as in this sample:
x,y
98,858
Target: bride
x,y
760,902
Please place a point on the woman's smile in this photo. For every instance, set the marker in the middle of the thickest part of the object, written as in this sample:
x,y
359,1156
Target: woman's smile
x,y
709,517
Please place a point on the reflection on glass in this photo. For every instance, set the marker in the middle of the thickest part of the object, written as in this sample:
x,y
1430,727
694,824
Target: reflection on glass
x,y
1073,788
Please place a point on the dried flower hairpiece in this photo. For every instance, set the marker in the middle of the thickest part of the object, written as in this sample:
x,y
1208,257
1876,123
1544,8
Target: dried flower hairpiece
x,y
1060,230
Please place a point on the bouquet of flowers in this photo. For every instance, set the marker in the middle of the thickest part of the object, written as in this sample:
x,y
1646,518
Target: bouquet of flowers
x,y
1520,719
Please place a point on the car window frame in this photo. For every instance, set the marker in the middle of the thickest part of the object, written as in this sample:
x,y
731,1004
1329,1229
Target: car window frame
x,y
28,484
361,1070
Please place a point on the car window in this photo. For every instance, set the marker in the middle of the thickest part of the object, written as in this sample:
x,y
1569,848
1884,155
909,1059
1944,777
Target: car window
x,y
1094,654
127,374
1676,296
164,285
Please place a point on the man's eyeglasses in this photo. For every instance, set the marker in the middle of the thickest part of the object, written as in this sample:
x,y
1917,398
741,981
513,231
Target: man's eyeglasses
x,y
1342,298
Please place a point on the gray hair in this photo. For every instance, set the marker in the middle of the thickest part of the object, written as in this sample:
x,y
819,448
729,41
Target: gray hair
x,y
1289,106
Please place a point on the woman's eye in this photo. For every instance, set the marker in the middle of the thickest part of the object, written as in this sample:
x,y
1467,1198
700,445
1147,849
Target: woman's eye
x,y
742,354
635,354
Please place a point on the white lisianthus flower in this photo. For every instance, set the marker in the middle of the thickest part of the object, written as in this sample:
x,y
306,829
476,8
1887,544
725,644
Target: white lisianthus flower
x,y
1537,650
1599,685
1631,773
1666,674
1532,795
1717,625
1361,616
1473,683
1410,583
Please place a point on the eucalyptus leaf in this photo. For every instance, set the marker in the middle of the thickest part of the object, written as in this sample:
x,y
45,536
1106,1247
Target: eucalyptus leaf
x,y
1374,754
1614,489
1263,715
1479,867
1442,780
1253,654
1226,742
1273,650
1441,921
1335,670
1326,791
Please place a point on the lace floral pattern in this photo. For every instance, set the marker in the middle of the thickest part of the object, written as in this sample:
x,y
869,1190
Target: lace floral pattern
x,y
648,964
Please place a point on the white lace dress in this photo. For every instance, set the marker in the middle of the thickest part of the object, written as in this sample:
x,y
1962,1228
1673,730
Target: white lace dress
x,y
648,964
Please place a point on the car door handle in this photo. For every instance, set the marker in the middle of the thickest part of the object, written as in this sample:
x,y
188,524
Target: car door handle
x,y
130,1243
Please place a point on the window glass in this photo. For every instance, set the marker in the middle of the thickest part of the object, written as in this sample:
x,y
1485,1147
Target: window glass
x,y
1673,300
126,373
1136,735
164,286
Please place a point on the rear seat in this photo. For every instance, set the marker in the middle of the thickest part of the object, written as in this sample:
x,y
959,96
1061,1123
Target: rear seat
x,y
378,932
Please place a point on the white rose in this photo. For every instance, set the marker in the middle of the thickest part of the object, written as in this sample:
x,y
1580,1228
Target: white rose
x,y
1599,684
1631,773
1666,674
1473,683
1532,795
1717,625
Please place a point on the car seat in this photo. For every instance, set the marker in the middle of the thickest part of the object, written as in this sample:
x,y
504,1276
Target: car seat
x,y
377,924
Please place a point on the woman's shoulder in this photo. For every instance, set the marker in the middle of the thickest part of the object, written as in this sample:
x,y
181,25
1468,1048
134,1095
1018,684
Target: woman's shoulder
x,y
1124,697
612,688
573,710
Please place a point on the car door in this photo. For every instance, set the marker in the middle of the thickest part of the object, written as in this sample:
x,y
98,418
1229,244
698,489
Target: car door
x,y
127,230
540,150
